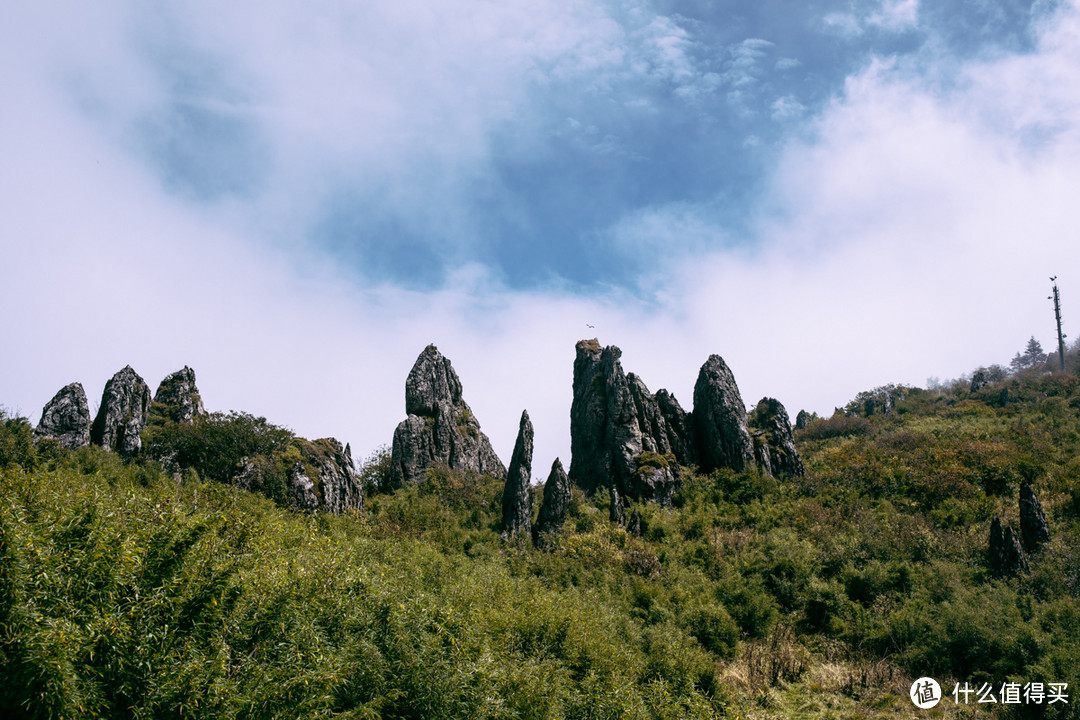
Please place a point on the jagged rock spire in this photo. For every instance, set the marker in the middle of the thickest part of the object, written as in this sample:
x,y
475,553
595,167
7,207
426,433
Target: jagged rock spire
x,y
615,421
1033,528
66,418
440,427
1004,554
556,503
720,419
124,410
178,396
781,457
517,493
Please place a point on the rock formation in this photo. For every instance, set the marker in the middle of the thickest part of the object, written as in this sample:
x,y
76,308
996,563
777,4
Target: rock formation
x,y
802,420
66,418
616,513
440,427
517,493
656,478
323,478
556,503
1033,528
125,408
720,419
178,397
338,484
614,420
1004,555
779,457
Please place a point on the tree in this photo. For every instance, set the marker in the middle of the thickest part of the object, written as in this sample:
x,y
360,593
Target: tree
x,y
1033,355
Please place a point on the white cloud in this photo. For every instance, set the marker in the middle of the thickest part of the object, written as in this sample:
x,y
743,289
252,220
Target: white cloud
x,y
890,15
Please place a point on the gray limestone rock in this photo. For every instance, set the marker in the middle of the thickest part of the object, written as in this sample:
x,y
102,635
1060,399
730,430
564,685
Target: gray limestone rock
x,y
66,418
679,428
338,486
1034,531
302,488
614,420
440,427
1004,554
517,492
657,478
720,419
616,512
556,503
323,479
124,410
771,419
178,397
802,420
761,452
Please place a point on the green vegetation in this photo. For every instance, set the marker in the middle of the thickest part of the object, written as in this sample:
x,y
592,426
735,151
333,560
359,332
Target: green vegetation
x,y
127,593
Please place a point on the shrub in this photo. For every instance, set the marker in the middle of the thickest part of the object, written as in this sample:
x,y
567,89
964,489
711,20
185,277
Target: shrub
x,y
215,445
836,426
16,442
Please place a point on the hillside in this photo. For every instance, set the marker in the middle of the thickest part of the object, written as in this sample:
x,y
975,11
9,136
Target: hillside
x,y
128,591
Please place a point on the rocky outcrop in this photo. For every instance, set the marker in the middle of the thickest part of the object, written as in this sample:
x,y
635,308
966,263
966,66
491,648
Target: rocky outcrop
x,y
337,485
1004,554
66,418
802,420
723,438
679,427
318,475
779,457
1034,531
124,410
177,397
614,419
556,503
517,492
616,512
656,478
440,427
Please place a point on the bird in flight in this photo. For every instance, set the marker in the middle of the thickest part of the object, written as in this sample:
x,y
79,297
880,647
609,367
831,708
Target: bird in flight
x,y
590,326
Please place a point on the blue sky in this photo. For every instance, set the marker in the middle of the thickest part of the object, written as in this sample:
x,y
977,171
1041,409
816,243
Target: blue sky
x,y
295,198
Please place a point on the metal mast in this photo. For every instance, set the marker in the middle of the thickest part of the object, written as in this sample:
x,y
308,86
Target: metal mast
x,y
1057,315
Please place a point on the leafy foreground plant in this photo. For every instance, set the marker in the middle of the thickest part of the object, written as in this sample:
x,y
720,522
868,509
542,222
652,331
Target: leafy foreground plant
x,y
126,594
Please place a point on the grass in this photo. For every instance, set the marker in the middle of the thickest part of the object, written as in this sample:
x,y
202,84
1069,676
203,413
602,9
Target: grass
x,y
127,593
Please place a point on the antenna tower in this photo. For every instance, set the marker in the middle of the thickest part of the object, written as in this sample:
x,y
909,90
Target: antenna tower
x,y
1057,315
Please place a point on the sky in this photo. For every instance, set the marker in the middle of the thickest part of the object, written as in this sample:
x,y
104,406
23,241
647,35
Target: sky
x,y
295,198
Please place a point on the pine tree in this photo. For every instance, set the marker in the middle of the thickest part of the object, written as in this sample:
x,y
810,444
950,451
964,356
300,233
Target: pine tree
x,y
1033,355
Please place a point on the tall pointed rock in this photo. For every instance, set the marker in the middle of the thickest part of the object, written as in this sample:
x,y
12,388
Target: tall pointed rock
x,y
440,427
720,419
781,457
556,503
66,417
517,493
124,411
1004,554
616,425
178,397
1034,531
